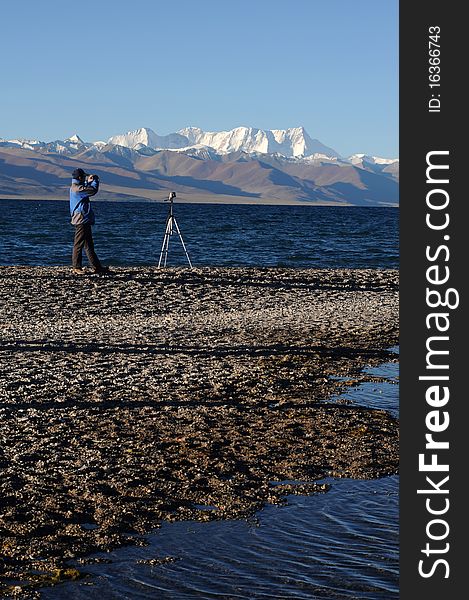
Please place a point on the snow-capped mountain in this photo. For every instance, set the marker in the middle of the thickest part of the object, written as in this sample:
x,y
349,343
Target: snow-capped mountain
x,y
289,142
22,143
67,146
376,164
243,164
74,141
147,137
357,159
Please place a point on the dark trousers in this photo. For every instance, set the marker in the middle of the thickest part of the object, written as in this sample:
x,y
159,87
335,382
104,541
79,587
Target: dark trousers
x,y
84,239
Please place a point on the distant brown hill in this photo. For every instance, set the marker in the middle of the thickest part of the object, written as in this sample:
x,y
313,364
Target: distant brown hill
x,y
237,177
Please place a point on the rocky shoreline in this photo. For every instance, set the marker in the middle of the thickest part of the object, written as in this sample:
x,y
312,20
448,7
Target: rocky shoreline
x,y
153,395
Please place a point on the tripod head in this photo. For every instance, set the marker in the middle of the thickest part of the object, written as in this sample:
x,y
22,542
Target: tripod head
x,y
171,197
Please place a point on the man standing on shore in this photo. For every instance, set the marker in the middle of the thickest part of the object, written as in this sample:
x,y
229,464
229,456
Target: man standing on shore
x,y
83,186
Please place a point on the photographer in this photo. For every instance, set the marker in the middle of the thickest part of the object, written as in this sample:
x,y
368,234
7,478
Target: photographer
x,y
83,186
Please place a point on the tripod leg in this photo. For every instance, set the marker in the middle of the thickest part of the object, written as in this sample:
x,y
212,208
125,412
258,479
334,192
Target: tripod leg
x,y
162,250
164,246
182,242
169,233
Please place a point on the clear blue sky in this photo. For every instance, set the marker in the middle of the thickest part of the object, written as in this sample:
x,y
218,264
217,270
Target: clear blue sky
x,y
104,67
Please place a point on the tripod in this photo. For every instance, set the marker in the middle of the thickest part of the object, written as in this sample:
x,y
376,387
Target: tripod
x,y
170,224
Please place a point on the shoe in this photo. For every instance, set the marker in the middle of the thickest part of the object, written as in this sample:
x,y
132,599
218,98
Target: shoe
x,y
101,270
78,271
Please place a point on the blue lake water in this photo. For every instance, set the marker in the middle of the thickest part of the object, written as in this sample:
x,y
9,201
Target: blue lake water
x,y
131,233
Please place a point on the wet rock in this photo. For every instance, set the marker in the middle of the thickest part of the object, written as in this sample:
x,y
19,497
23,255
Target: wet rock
x,y
157,561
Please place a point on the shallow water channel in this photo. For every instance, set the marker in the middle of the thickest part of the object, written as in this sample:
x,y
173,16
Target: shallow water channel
x,y
342,544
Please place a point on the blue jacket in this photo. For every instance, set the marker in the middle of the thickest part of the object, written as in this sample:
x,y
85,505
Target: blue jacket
x,y
80,205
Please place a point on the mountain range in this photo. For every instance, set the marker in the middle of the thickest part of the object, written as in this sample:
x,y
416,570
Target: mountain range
x,y
241,165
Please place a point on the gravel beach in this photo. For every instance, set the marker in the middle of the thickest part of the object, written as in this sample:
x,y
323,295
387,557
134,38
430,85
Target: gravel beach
x,y
168,394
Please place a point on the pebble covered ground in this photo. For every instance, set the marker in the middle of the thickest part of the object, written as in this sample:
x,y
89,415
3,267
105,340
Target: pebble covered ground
x,y
166,394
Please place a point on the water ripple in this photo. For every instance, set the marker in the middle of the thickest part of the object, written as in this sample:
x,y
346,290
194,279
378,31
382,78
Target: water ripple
x,y
37,232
